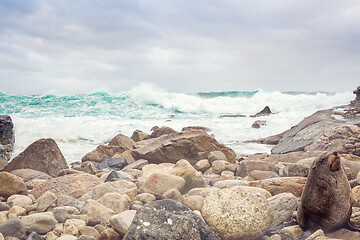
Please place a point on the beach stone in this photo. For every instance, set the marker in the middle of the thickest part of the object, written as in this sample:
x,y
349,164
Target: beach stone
x,y
34,236
247,166
68,172
17,211
216,155
110,234
291,232
158,183
202,165
122,221
115,201
67,237
294,185
112,164
40,223
237,213
11,184
202,191
103,152
13,228
139,164
174,194
296,170
260,174
194,202
19,200
193,178
116,176
145,198
72,226
66,200
61,214
218,166
4,216
227,175
167,219
123,141
45,201
74,185
96,212
356,196
230,183
149,169
316,234
87,233
190,145
139,135
3,163
125,154
162,131
27,174
4,207
121,187
283,205
87,167
43,155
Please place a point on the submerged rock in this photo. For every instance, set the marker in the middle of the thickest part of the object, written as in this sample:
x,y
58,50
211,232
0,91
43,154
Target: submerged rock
x,y
43,155
167,219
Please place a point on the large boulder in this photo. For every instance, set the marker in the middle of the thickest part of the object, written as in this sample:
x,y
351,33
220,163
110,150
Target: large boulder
x,y
157,132
237,213
7,137
122,141
103,152
190,145
74,185
43,155
11,184
167,219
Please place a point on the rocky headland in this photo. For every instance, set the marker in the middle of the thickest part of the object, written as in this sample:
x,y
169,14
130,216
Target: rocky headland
x,y
174,185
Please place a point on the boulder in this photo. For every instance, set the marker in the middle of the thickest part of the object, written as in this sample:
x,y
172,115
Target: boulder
x,y
74,185
115,201
260,174
72,226
283,205
265,112
13,228
122,141
247,166
7,138
202,165
40,223
122,221
294,185
43,155
167,219
190,145
237,213
159,183
11,184
27,174
96,212
112,164
103,152
190,128
139,135
157,132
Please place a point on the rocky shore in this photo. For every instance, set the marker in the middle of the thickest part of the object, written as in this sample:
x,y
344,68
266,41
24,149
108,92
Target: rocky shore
x,y
174,185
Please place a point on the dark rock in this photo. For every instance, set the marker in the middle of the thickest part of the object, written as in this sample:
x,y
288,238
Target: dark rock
x,y
34,236
265,112
232,116
162,131
113,176
13,228
43,155
190,145
357,92
7,137
4,207
113,164
190,128
167,219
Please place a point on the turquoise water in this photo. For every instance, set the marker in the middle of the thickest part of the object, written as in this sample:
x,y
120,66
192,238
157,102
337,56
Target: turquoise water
x,y
78,123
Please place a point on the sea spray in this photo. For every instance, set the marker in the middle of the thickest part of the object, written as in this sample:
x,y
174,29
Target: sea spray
x,y
79,123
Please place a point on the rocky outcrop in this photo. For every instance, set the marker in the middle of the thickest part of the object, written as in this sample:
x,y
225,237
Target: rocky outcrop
x,y
190,145
157,132
357,98
167,219
7,137
43,155
265,112
139,135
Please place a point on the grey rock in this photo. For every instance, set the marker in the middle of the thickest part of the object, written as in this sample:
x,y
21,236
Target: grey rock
x,y
13,228
4,207
34,236
167,219
66,200
113,176
113,164
7,137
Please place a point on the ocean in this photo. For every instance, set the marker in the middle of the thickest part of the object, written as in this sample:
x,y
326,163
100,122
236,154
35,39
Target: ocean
x,y
79,123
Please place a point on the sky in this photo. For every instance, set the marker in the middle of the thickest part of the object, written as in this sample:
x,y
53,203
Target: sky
x,y
82,46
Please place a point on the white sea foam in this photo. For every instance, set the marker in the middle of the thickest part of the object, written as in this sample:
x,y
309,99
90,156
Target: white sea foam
x,y
80,123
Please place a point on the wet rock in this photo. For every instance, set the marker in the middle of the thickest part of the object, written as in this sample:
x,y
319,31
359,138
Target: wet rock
x,y
190,145
43,155
265,112
139,135
11,184
13,228
237,214
74,185
167,219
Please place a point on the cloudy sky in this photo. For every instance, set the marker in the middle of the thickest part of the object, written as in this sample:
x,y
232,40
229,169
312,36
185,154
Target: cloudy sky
x,y
179,45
